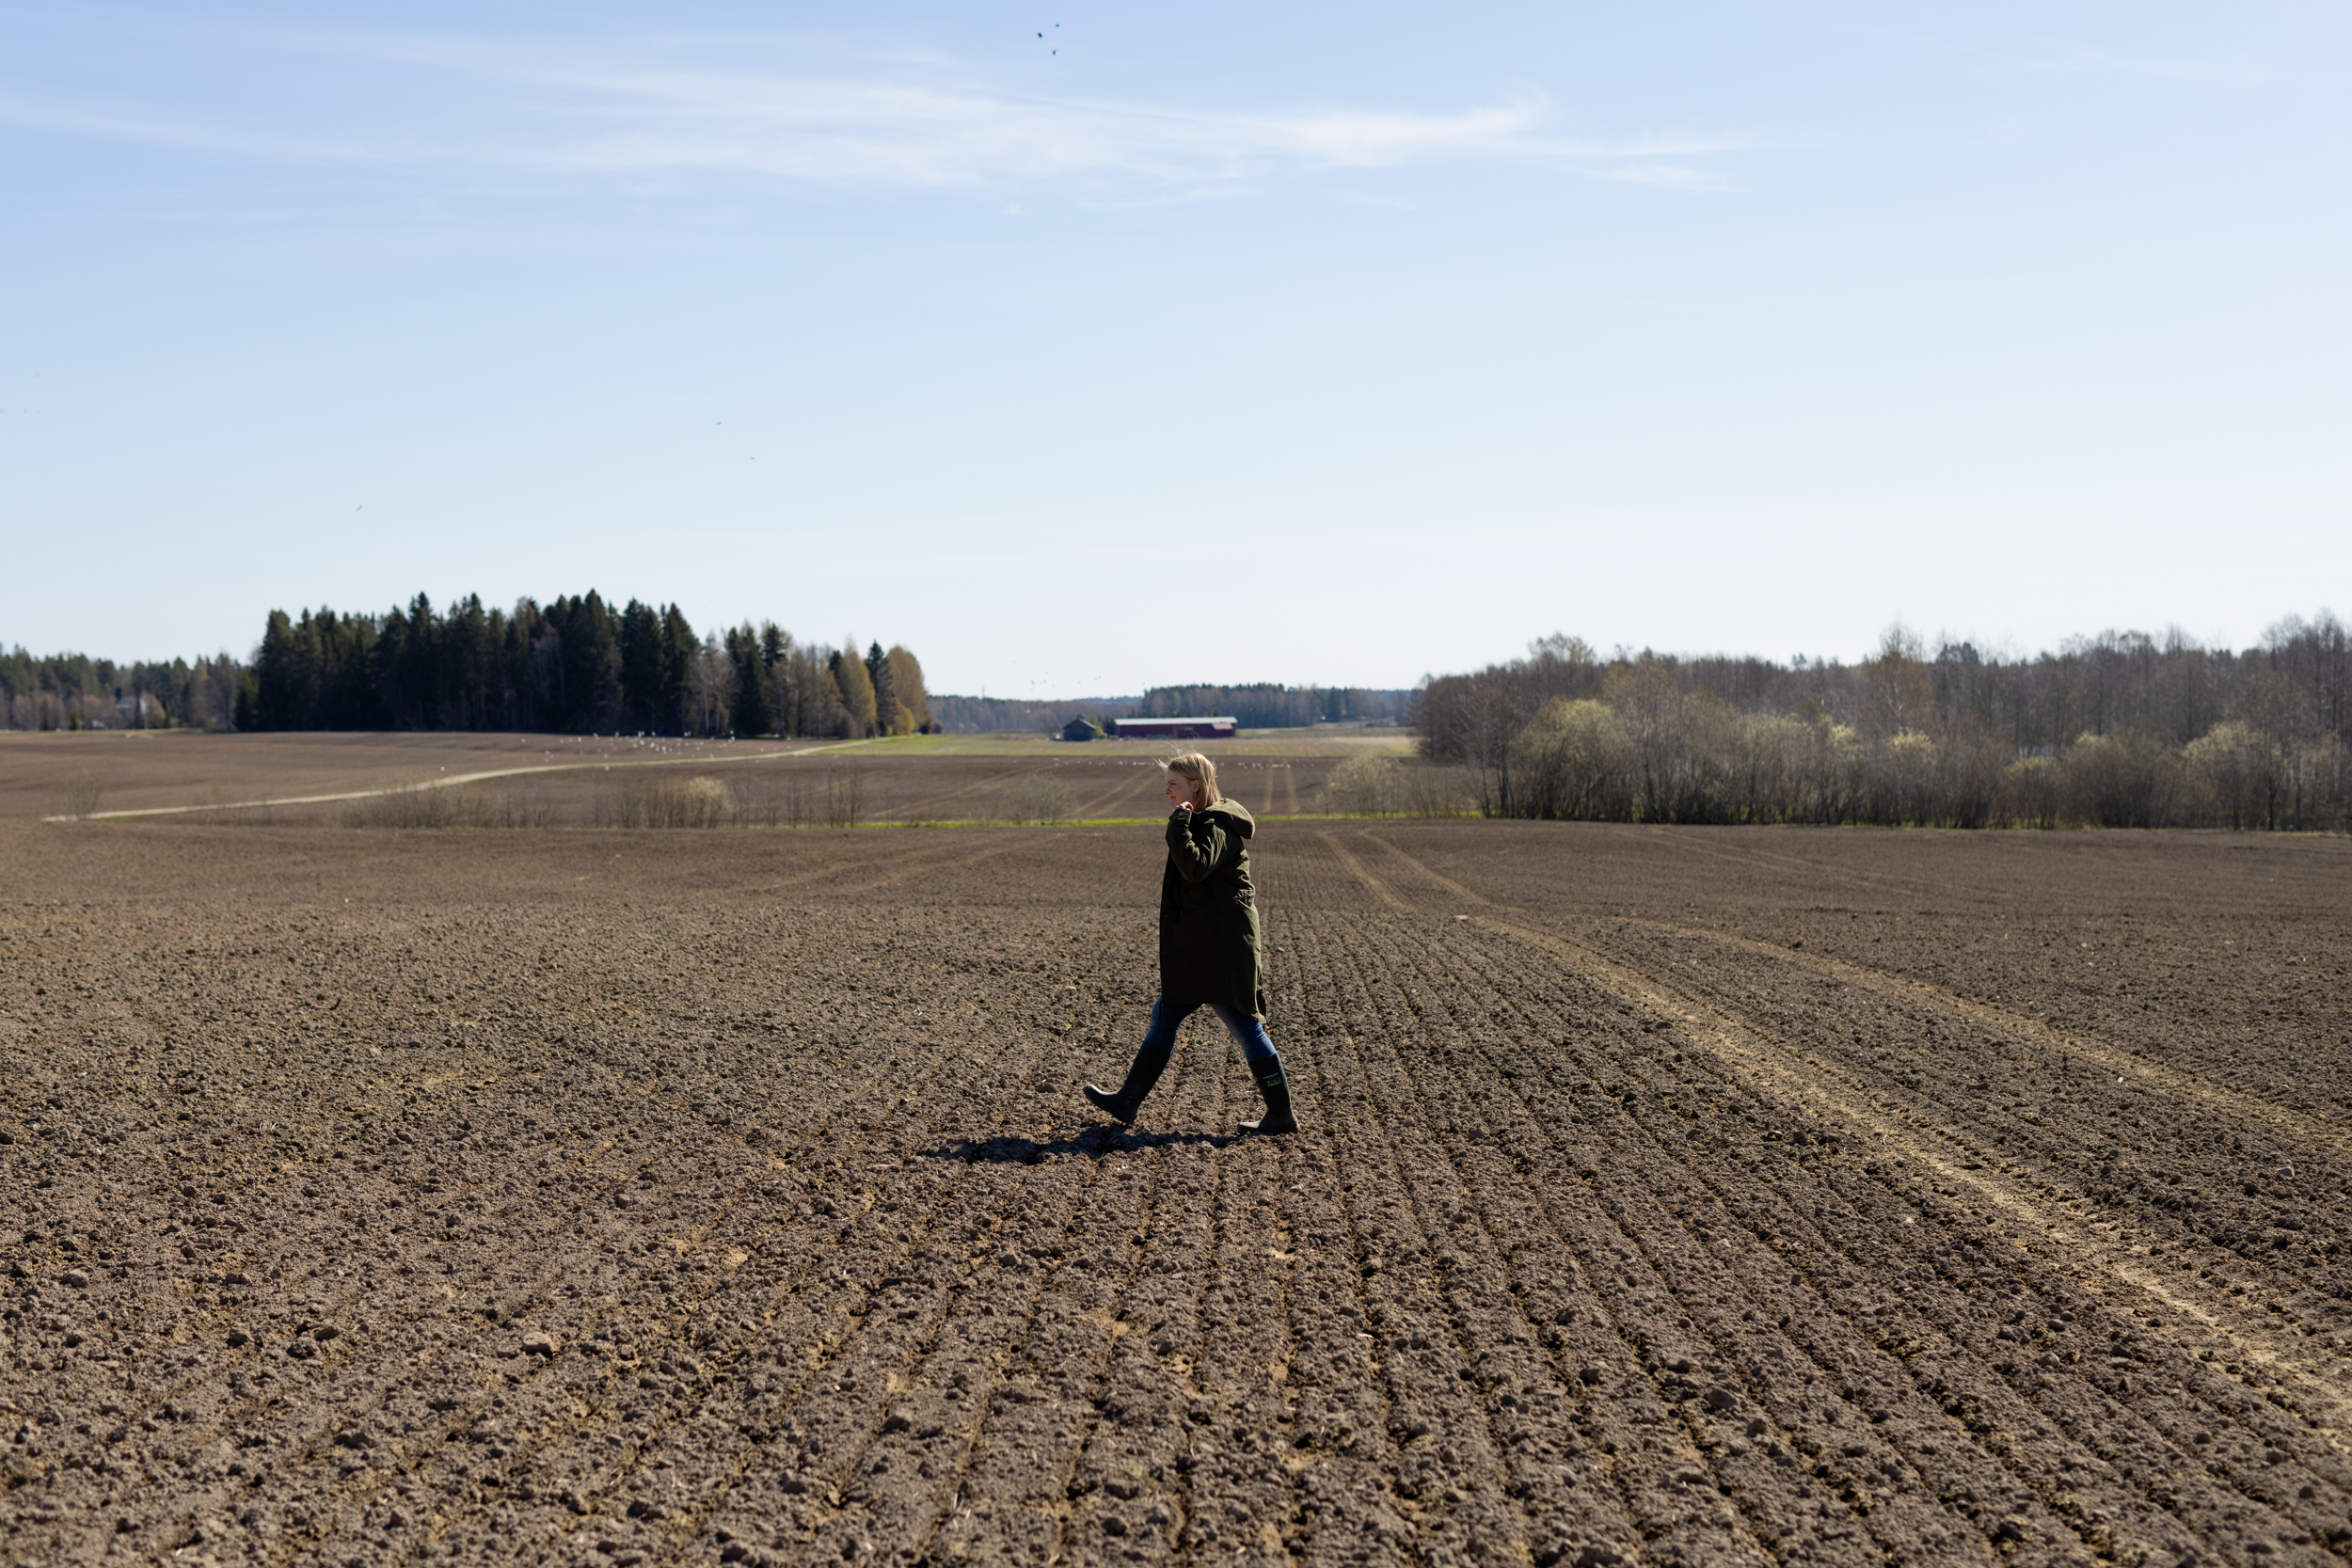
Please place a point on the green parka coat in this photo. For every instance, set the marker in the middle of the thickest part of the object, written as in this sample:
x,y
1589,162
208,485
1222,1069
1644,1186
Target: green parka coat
x,y
1211,949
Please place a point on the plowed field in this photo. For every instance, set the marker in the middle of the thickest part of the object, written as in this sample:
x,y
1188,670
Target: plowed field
x,y
1706,1197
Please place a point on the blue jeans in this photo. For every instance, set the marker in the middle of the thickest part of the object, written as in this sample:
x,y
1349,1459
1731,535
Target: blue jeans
x,y
1159,1039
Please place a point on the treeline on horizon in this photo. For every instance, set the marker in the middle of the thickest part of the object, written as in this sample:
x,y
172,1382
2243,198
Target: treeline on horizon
x,y
577,666
2124,730
74,692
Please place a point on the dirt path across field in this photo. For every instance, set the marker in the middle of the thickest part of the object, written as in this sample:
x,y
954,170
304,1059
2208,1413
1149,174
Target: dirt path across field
x,y
449,781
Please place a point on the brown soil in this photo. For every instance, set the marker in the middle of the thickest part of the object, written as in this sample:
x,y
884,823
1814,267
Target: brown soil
x,y
1667,1196
249,780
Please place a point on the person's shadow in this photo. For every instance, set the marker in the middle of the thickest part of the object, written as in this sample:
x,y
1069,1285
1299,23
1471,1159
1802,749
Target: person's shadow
x,y
1092,1143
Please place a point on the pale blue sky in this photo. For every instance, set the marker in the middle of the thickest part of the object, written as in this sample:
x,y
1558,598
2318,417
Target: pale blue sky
x,y
1332,343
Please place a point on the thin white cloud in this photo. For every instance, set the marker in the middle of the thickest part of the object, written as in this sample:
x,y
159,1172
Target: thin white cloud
x,y
519,110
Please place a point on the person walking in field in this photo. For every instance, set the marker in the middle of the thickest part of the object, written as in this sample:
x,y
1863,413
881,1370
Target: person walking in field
x,y
1211,951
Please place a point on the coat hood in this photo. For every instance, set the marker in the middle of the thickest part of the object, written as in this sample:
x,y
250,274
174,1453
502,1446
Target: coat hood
x,y
1237,818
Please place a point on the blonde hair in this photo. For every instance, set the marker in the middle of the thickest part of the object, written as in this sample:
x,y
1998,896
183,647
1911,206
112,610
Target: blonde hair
x,y
1200,770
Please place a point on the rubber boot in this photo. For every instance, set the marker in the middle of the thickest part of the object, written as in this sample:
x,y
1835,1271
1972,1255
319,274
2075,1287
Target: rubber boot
x,y
1144,1072
1278,1117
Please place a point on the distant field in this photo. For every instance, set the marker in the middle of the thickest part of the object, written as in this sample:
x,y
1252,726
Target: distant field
x,y
568,780
142,770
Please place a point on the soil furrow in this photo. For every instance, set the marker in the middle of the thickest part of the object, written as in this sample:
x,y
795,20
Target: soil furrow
x,y
2134,1066
1429,1340
816,1305
2234,1333
1687,1375
2227,1510
1817,1318
652,1345
1783,864
1939,1076
1641,1195
1372,884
